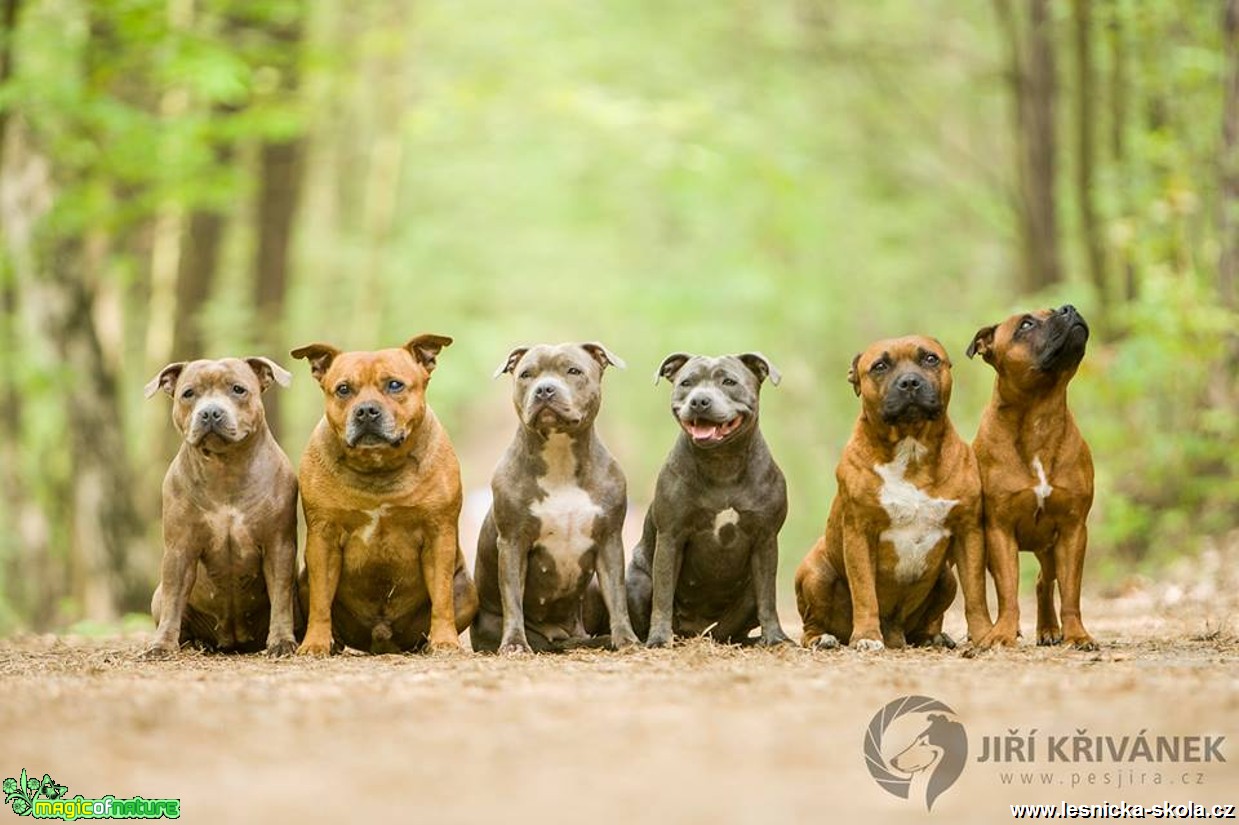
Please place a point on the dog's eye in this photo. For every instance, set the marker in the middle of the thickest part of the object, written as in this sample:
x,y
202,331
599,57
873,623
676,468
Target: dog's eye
x,y
729,382
526,374
343,390
187,393
1027,323
574,370
930,360
879,368
237,389
687,382
395,385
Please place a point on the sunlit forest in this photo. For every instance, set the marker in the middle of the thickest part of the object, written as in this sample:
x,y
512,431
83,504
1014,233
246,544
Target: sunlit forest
x,y
199,178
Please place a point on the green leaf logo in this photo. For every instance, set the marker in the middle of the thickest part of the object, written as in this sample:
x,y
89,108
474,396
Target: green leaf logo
x,y
20,793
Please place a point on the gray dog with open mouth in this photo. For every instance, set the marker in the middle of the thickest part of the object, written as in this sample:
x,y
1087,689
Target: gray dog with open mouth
x,y
559,506
709,552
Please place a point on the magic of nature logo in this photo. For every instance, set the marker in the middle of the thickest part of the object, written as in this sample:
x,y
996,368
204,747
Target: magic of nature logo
x,y
46,799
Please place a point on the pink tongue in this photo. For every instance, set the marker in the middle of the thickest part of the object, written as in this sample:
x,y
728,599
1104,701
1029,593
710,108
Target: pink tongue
x,y
703,431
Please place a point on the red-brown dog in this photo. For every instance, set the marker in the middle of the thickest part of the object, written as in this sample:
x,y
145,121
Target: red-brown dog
x,y
908,508
1036,470
380,487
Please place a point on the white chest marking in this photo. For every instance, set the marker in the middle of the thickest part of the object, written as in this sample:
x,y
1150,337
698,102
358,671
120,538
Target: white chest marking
x,y
1042,488
366,533
917,521
723,518
567,512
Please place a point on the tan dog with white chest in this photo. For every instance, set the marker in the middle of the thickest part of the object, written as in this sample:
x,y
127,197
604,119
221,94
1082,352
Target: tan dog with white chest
x,y
907,509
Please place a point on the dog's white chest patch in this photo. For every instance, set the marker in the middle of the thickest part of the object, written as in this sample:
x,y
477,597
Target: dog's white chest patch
x,y
723,518
567,512
917,520
1042,488
373,519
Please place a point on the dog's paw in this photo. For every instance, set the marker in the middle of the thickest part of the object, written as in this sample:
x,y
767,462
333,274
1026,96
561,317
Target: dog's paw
x,y
624,640
280,648
444,649
1050,636
824,642
939,640
773,639
158,652
314,647
658,640
1082,642
514,647
998,637
868,645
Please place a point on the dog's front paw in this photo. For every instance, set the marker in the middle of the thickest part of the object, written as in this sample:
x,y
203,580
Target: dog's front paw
x,y
658,640
158,652
624,639
774,638
939,640
1081,641
1049,636
315,646
868,645
515,646
823,642
999,636
279,648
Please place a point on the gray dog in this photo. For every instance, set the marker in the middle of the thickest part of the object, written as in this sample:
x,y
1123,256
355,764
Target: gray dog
x,y
229,513
559,505
709,551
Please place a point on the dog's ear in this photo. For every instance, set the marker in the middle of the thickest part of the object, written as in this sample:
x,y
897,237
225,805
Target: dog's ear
x,y
426,348
983,343
854,374
603,356
761,367
165,380
509,363
320,357
269,372
671,365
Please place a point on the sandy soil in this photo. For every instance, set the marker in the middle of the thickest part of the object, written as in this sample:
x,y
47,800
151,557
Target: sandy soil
x,y
699,733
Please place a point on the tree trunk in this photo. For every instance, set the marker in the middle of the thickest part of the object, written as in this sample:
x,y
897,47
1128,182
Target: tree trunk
x,y
195,278
1228,265
1119,107
1033,90
1086,158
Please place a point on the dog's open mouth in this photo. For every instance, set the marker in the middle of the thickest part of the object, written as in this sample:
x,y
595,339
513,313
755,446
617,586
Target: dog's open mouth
x,y
711,432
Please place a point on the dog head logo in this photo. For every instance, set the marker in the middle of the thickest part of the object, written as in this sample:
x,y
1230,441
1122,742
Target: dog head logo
x,y
927,749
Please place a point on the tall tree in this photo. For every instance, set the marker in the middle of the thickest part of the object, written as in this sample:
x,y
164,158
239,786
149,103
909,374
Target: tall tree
x,y
1086,156
1228,265
1030,43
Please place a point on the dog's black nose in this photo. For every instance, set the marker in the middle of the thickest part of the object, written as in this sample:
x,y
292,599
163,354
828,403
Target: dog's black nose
x,y
367,412
544,392
909,382
1068,309
699,402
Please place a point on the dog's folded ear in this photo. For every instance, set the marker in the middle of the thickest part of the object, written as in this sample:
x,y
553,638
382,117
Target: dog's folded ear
x,y
426,348
671,365
269,372
761,367
854,374
165,380
983,343
603,356
511,361
320,357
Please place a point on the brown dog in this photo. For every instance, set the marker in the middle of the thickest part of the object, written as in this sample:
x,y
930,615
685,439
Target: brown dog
x,y
380,488
908,507
1036,470
229,513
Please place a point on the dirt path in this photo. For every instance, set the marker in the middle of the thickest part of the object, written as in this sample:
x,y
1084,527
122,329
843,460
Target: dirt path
x,y
701,733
